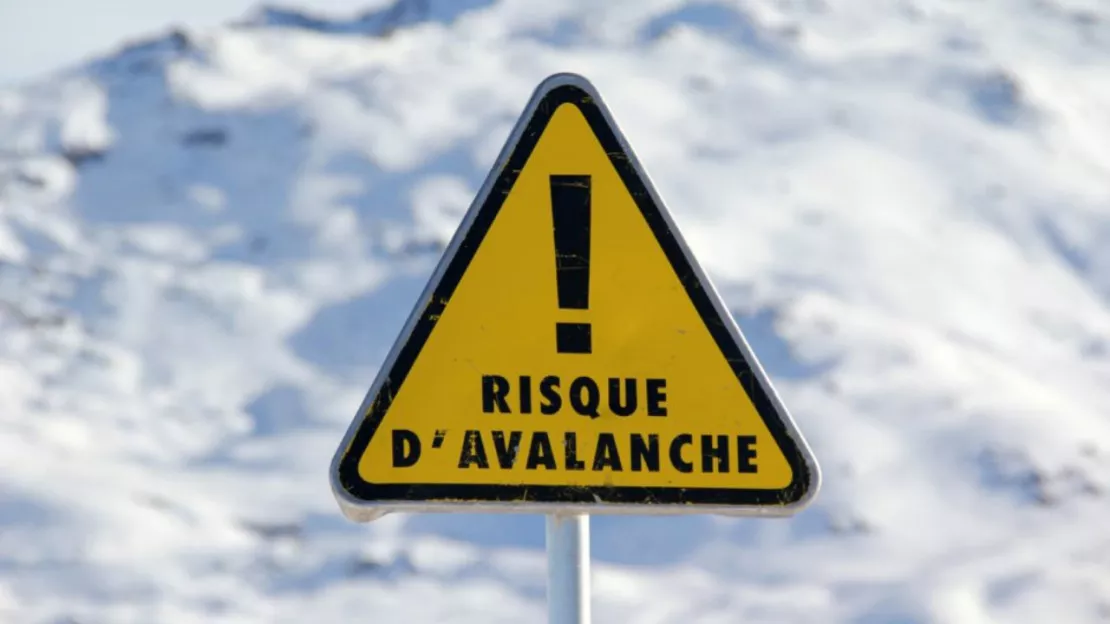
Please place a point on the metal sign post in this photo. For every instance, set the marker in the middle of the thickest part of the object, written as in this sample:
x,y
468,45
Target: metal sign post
x,y
568,568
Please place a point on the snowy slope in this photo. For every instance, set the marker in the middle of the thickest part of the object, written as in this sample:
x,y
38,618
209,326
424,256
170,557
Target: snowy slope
x,y
209,241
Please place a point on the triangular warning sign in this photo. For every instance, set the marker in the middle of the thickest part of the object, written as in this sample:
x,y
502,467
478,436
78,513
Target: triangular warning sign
x,y
569,352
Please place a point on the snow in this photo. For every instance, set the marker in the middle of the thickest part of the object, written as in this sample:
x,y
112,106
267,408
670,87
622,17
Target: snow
x,y
210,239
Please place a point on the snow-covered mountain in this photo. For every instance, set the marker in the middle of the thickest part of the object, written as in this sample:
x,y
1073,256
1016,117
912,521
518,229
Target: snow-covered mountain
x,y
210,239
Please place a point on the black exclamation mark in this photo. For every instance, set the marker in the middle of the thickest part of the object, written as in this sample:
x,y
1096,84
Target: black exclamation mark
x,y
570,207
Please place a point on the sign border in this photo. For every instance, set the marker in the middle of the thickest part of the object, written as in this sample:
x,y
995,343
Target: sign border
x,y
362,501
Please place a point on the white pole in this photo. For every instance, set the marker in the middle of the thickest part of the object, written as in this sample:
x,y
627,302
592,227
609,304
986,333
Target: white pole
x,y
568,569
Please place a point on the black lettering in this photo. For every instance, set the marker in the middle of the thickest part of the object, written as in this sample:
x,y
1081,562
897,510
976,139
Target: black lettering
x,y
525,394
645,452
570,445
677,443
593,397
473,450
405,440
656,394
540,452
494,390
606,454
615,405
506,453
708,452
552,402
745,454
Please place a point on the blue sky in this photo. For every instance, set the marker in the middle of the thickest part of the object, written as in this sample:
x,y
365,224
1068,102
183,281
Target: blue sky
x,y
40,36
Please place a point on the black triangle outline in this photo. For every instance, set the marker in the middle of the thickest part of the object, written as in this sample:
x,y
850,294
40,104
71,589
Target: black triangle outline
x,y
362,500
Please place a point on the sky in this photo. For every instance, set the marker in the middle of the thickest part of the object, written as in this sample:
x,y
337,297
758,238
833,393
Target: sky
x,y
39,36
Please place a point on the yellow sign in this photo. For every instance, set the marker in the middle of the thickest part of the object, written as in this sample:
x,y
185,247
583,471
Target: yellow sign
x,y
570,353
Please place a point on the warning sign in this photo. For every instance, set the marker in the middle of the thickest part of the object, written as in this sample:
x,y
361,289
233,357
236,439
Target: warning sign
x,y
569,352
